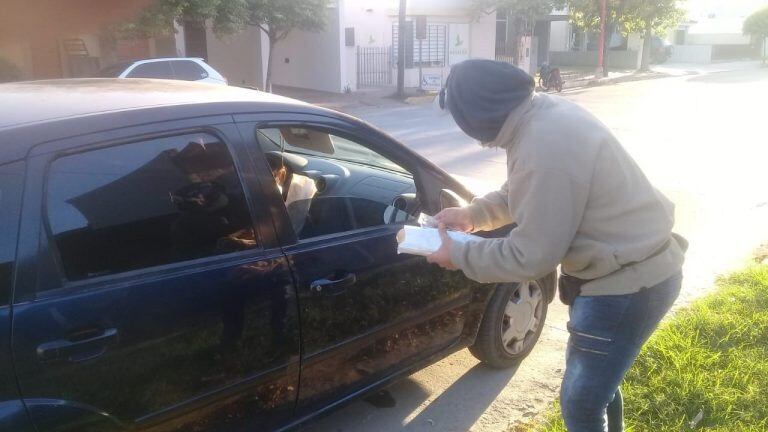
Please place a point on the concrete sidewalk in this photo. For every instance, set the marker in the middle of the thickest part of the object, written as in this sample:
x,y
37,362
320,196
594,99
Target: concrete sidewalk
x,y
382,98
378,97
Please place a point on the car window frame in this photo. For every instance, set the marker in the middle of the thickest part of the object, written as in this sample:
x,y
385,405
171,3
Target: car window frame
x,y
250,123
45,277
14,217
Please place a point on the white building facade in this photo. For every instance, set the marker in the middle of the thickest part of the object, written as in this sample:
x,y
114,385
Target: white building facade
x,y
358,47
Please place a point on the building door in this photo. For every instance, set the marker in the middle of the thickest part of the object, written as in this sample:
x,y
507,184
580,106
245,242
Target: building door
x,y
195,40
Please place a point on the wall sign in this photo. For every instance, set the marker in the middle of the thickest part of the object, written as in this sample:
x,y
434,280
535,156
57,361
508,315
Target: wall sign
x,y
458,43
431,82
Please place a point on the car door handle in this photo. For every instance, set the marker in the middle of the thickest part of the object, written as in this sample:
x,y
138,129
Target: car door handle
x,y
77,350
335,286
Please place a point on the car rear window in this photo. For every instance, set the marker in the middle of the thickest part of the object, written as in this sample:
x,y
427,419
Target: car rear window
x,y
159,69
146,204
11,178
188,70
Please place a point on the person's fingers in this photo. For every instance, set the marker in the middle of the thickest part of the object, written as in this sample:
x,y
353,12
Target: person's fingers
x,y
443,233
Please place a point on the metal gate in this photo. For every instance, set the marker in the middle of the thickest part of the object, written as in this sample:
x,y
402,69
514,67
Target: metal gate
x,y
374,66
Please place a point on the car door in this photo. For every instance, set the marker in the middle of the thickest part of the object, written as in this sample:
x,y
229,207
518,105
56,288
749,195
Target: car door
x,y
149,298
366,312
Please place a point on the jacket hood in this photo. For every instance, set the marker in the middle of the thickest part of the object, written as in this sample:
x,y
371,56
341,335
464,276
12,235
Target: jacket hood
x,y
481,94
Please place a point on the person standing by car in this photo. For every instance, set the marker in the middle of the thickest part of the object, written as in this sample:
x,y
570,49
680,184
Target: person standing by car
x,y
578,200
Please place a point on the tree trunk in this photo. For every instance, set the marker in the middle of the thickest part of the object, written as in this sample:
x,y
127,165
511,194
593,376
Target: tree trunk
x,y
645,61
609,30
513,38
268,82
401,50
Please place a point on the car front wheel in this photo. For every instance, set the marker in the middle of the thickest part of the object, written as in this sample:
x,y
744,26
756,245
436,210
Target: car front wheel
x,y
511,325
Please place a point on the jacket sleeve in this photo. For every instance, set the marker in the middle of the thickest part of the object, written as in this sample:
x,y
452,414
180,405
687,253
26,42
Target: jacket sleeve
x,y
548,208
491,211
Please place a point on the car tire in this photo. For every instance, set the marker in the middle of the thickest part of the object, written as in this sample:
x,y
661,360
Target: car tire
x,y
511,325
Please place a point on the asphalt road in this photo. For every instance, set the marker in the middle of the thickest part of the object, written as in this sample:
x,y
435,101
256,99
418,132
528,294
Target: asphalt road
x,y
701,139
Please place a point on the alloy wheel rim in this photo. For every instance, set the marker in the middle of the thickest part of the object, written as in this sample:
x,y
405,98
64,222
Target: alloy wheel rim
x,y
522,317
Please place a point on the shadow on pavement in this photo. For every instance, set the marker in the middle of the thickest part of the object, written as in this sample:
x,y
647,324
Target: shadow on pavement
x,y
730,77
459,406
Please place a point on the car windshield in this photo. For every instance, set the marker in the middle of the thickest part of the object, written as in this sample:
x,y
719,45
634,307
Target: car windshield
x,y
112,71
343,150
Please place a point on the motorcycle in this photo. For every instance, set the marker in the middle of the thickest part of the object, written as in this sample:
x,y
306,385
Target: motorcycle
x,y
550,78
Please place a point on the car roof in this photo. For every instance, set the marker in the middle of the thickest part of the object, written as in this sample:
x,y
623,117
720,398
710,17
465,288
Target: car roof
x,y
157,59
24,103
36,111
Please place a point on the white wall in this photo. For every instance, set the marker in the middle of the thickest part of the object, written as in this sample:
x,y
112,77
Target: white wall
x,y
373,28
716,39
311,60
483,37
691,53
560,36
238,57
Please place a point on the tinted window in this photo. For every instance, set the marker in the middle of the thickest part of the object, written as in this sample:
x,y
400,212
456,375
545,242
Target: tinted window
x,y
145,204
188,70
11,177
160,69
344,185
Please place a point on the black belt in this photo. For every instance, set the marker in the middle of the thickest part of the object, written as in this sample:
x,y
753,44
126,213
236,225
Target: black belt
x,y
569,287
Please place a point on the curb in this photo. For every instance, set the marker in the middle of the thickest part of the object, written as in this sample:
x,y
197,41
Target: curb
x,y
617,80
421,99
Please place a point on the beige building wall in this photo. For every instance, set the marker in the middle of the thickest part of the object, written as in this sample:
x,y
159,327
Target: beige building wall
x,y
238,57
18,53
312,60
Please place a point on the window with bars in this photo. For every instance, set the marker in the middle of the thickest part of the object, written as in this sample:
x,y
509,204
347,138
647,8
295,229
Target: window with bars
x,y
432,50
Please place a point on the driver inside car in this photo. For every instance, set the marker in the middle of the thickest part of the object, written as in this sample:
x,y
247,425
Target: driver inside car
x,y
297,190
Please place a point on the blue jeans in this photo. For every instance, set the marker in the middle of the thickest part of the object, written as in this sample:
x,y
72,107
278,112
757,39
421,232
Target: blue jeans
x,y
606,334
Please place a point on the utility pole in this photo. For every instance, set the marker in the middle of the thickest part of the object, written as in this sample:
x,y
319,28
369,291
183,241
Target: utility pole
x,y
401,50
601,42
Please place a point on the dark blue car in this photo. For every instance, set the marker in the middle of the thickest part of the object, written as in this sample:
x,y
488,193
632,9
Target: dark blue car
x,y
179,256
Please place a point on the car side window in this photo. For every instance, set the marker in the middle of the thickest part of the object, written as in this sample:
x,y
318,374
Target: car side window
x,y
145,204
160,69
11,180
332,184
188,70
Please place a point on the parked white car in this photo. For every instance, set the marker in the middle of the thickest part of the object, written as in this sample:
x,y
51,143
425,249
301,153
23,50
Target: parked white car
x,y
178,68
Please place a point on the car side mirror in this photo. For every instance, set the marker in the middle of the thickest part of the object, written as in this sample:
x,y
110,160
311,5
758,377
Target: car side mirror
x,y
449,198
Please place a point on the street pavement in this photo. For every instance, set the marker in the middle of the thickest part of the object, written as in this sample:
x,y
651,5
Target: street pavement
x,y
701,139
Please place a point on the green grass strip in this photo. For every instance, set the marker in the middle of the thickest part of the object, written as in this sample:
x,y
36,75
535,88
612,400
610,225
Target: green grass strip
x,y
710,358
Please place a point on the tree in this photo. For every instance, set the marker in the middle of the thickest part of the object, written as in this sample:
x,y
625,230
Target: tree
x,y
585,15
401,50
757,26
225,16
522,14
650,17
277,18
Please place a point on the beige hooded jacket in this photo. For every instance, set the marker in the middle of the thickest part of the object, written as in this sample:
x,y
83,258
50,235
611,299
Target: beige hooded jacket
x,y
578,199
